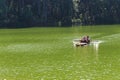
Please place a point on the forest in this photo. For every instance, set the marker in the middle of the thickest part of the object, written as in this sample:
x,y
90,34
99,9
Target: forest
x,y
30,13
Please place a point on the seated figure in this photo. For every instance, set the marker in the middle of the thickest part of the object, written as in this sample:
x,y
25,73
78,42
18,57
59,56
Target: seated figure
x,y
85,39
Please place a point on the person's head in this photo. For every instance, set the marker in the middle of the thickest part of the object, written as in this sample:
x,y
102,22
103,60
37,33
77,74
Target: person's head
x,y
87,36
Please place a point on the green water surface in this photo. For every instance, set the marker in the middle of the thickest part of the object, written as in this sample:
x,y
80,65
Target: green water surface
x,y
48,54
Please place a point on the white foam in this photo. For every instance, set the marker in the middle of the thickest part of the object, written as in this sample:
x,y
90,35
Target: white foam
x,y
96,44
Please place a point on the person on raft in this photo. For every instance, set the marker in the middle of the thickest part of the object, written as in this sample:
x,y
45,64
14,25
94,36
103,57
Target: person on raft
x,y
85,39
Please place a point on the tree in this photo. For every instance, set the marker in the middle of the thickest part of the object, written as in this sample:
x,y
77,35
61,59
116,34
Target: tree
x,y
30,13
97,11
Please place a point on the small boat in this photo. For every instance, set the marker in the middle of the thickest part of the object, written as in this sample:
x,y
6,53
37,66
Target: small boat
x,y
77,42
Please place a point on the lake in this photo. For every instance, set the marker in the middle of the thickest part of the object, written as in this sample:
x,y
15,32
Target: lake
x,y
49,54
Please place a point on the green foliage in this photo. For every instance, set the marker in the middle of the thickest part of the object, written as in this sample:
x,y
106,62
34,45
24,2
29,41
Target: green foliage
x,y
97,11
27,13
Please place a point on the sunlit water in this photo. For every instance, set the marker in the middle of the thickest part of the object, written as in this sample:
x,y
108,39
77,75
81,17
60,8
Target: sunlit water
x,y
96,44
97,62
50,55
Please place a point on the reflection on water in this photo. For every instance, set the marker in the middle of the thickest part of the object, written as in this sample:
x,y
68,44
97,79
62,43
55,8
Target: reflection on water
x,y
90,51
96,45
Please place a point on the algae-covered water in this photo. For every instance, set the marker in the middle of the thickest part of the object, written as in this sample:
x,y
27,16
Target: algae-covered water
x,y
49,54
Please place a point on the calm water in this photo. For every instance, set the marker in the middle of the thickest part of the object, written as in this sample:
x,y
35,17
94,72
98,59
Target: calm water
x,y
89,63
93,62
49,54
